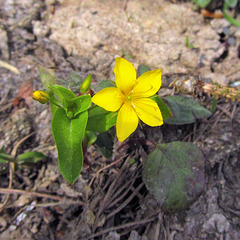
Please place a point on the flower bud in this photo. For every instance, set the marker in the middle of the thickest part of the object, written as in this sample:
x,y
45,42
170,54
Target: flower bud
x,y
86,84
41,96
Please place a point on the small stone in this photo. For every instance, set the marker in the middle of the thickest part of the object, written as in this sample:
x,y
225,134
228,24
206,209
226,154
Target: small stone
x,y
40,29
217,222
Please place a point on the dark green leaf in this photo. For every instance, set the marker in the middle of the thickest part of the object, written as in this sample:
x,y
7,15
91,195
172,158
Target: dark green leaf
x,y
174,174
105,143
47,76
30,157
185,110
100,120
142,69
166,113
68,135
202,3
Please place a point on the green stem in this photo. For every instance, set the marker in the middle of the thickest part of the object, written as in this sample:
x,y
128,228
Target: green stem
x,y
229,18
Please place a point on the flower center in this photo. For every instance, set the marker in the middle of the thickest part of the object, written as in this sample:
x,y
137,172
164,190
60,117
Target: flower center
x,y
129,97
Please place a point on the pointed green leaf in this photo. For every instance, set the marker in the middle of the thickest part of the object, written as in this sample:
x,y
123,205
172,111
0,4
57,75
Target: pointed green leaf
x,y
30,157
68,135
100,120
174,174
142,69
185,110
5,158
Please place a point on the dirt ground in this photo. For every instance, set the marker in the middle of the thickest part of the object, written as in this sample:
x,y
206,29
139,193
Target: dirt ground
x,y
109,200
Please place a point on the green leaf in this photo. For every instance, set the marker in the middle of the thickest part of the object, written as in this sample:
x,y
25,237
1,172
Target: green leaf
x,y
100,120
47,76
96,87
5,158
142,69
166,113
229,18
202,3
90,137
30,157
185,110
231,3
79,104
214,105
174,174
68,135
187,43
63,94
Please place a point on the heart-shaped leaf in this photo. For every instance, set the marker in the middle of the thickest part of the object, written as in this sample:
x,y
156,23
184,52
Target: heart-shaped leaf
x,y
174,174
185,110
142,69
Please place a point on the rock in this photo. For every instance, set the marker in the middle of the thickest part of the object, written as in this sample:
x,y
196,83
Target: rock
x,y
217,222
40,29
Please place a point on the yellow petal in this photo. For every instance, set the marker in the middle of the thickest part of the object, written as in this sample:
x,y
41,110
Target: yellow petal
x,y
111,99
127,121
148,111
147,84
125,75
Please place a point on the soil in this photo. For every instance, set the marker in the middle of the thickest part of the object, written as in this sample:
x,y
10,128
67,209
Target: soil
x,y
109,200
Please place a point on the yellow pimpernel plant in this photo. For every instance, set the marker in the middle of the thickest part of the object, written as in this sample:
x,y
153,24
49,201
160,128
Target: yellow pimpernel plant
x,y
131,98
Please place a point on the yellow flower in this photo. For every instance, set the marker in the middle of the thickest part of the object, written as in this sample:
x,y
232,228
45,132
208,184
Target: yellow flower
x,y
131,98
40,96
